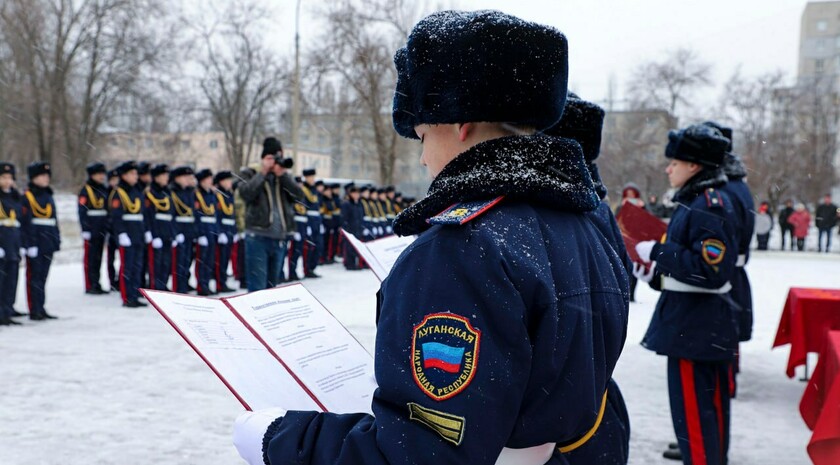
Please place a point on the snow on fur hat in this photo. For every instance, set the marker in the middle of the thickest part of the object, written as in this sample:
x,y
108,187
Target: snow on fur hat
x,y
725,131
581,121
480,66
699,144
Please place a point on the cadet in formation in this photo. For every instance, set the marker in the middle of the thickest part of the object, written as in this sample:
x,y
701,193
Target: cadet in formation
x,y
494,345
11,213
160,223
128,223
93,219
183,201
41,237
223,180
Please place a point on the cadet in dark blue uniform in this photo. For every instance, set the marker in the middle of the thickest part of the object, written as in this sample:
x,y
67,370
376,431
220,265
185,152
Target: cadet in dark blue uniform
x,y
744,206
93,216
41,237
128,221
328,208
183,201
495,343
227,227
582,121
112,246
207,226
338,239
314,226
368,221
160,223
144,180
693,324
352,213
299,237
11,212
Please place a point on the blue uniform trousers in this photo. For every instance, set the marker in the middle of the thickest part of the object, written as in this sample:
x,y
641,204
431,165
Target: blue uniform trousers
x,y
131,267
181,259
113,277
8,286
37,270
159,266
93,260
700,409
223,253
205,259
315,247
296,250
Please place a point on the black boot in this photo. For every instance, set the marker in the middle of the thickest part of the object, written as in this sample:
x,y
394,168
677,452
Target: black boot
x,y
37,317
48,316
8,322
95,291
134,304
16,313
672,454
312,274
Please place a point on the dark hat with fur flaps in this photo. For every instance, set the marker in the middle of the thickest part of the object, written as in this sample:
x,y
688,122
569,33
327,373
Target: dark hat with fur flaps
x,y
699,144
726,131
144,167
157,170
37,168
203,174
480,66
7,168
181,171
125,167
309,172
271,146
221,176
582,121
96,168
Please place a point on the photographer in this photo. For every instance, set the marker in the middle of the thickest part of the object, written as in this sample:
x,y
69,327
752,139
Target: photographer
x,y
269,197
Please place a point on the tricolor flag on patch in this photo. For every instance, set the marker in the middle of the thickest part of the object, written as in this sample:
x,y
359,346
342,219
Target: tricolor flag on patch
x,y
713,251
447,358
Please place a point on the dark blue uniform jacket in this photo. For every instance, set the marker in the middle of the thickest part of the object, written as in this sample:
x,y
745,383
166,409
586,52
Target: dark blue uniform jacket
x,y
227,214
160,213
126,207
496,329
93,208
183,201
351,217
40,222
11,215
206,216
700,250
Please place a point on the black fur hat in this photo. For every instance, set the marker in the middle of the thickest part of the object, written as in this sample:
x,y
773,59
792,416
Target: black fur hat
x,y
203,174
8,168
143,167
157,170
582,121
309,172
699,144
480,66
221,176
726,131
95,168
181,171
37,168
125,167
271,146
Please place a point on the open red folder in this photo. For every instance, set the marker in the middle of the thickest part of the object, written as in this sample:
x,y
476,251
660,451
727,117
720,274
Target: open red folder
x,y
638,225
274,348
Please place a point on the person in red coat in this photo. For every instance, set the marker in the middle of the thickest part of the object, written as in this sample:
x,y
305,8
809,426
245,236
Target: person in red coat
x,y
800,219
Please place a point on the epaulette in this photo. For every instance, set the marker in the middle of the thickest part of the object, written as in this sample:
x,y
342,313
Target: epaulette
x,y
464,212
713,198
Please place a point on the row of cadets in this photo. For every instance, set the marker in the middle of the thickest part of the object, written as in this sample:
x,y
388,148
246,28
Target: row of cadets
x,y
207,231
352,221
11,213
390,208
93,218
159,216
128,222
315,224
40,236
183,200
228,234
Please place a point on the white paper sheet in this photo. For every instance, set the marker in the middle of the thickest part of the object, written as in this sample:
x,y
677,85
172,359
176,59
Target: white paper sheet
x,y
240,360
313,344
381,254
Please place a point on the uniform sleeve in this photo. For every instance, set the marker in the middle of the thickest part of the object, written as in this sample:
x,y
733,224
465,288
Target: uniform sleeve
x,y
708,258
27,236
115,212
453,358
84,203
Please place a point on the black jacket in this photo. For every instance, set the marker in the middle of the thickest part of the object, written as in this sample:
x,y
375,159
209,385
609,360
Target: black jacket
x,y
256,193
783,217
826,216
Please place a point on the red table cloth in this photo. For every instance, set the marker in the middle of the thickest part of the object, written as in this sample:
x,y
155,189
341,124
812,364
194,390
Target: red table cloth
x,y
808,314
820,405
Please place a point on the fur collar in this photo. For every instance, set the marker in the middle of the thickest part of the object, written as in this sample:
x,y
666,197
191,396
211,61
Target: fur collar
x,y
542,170
709,177
734,167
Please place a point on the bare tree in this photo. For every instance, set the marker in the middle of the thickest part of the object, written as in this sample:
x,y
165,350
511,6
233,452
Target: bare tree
x,y
669,83
239,78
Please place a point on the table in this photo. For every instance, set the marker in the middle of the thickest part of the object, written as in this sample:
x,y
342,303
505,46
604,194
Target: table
x,y
807,315
820,405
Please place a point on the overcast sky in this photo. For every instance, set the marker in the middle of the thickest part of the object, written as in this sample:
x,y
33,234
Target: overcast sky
x,y
610,37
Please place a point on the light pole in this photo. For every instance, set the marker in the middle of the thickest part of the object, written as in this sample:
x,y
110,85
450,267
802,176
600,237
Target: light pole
x,y
296,89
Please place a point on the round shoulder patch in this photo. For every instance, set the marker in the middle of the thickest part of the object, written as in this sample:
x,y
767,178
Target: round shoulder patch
x,y
713,251
444,355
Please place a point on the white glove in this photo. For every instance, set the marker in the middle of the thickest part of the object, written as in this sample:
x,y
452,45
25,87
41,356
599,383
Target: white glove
x,y
308,231
180,238
174,243
366,232
22,252
202,241
223,239
381,231
249,430
297,237
147,236
643,274
86,235
323,230
2,254
644,250
32,252
124,240
157,243
389,230
236,238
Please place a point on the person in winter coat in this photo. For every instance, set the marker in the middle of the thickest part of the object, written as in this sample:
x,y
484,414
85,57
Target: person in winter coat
x,y
800,221
93,222
352,214
40,236
694,321
763,225
11,212
495,343
159,213
631,194
826,219
125,205
784,225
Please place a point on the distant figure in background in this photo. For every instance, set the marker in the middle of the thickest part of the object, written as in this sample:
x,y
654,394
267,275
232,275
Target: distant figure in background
x,y
159,214
763,225
40,235
111,255
227,227
207,227
126,212
352,213
632,195
800,220
11,212
93,219
654,207
238,252
826,221
787,228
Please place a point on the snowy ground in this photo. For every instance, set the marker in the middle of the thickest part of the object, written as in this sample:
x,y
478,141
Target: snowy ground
x,y
108,385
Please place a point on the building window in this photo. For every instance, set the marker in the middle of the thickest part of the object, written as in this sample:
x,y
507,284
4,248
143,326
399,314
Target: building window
x,y
214,144
822,25
818,66
821,44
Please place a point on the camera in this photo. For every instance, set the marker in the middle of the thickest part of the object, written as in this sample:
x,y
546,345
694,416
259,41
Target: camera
x,y
287,163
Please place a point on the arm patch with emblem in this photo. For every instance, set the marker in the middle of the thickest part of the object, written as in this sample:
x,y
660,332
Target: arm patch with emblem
x,y
463,212
449,427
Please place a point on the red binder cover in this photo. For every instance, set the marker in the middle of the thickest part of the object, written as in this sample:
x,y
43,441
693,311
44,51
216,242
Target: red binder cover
x,y
638,225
